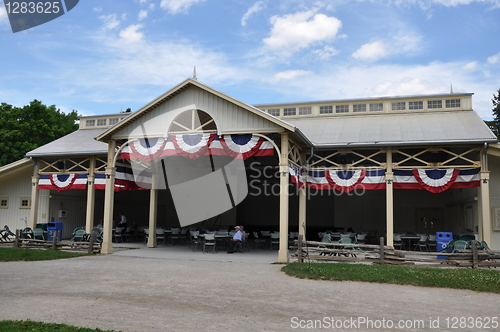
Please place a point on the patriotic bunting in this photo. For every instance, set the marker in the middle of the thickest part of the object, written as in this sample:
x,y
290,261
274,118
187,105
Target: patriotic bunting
x,y
340,180
62,182
193,146
436,180
433,180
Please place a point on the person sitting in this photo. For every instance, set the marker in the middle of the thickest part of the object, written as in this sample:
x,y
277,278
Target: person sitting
x,y
237,237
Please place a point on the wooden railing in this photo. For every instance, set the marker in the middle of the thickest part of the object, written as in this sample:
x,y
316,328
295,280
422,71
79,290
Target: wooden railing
x,y
90,246
382,254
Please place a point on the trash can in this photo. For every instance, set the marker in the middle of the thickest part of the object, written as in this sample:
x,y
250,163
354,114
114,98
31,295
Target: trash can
x,y
42,226
442,240
54,230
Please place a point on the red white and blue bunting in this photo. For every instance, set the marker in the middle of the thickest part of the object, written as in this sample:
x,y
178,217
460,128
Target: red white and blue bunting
x,y
340,180
432,180
193,146
436,180
62,182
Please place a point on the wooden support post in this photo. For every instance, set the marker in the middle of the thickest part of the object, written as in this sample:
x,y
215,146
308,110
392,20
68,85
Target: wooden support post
x,y
299,251
54,240
473,244
18,236
93,236
381,250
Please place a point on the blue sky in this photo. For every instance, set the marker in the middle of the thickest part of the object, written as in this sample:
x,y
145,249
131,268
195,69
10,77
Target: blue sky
x,y
110,54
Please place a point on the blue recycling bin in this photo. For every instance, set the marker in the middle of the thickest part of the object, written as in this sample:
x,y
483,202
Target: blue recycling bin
x,y
442,240
54,230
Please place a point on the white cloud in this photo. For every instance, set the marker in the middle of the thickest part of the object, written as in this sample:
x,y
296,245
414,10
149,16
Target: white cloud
x,y
97,9
471,65
130,33
404,42
293,32
371,52
110,21
494,58
326,52
178,6
257,7
142,15
3,15
288,75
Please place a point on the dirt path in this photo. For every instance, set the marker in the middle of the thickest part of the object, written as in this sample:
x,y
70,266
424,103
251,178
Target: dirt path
x,y
159,294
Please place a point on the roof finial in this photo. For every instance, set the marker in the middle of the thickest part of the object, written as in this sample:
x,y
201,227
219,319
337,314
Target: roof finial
x,y
194,74
451,88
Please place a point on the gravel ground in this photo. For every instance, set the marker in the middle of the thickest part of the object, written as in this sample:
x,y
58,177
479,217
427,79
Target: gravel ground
x,y
127,291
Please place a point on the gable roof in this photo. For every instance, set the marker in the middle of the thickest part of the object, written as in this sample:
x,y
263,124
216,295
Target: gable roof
x,y
104,137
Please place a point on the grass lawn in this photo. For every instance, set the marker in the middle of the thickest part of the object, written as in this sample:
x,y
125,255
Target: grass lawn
x,y
18,326
460,278
23,254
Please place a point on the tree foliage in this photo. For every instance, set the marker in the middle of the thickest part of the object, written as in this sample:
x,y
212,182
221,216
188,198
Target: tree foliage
x,y
495,123
23,129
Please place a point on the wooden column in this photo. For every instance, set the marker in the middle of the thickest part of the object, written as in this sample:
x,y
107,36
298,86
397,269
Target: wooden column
x,y
283,251
303,202
153,212
109,197
389,199
34,197
89,218
484,223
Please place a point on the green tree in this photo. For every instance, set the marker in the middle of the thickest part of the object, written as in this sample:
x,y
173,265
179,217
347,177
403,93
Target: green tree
x,y
23,129
495,123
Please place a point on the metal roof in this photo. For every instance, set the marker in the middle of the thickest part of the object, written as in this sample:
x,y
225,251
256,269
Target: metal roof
x,y
395,129
80,142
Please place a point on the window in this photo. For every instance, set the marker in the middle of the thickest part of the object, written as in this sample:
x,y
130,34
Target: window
x,y
399,106
4,203
415,105
376,107
341,108
90,123
305,110
274,111
289,111
25,203
435,104
359,108
113,121
452,103
101,122
325,109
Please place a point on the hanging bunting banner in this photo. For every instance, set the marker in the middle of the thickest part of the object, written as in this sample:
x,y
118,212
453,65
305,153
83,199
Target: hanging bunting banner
x,y
436,180
193,146
244,146
432,180
62,182
340,180
344,180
